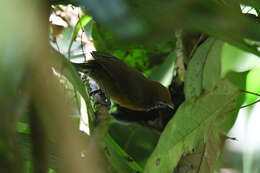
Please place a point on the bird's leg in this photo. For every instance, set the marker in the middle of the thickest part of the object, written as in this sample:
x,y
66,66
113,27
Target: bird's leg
x,y
108,101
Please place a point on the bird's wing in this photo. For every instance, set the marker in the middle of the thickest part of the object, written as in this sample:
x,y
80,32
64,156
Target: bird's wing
x,y
125,77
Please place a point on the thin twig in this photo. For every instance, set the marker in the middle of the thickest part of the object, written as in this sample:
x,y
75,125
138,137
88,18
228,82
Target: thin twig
x,y
249,92
250,104
82,46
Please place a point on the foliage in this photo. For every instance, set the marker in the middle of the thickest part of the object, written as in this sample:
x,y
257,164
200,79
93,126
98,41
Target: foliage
x,y
41,93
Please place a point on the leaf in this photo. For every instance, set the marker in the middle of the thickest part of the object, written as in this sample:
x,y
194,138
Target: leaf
x,y
23,128
210,17
212,68
235,59
191,162
115,16
213,148
253,84
69,71
193,75
253,3
203,158
142,56
239,80
83,21
164,72
118,158
200,73
190,126
134,139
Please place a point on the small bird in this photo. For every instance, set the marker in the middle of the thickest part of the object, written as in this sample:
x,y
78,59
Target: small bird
x,y
125,85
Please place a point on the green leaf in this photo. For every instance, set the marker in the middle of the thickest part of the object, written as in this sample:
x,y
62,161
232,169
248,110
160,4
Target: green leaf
x,y
193,75
23,128
142,56
191,126
238,79
83,21
69,71
253,84
164,72
235,59
203,71
134,139
202,159
212,67
118,158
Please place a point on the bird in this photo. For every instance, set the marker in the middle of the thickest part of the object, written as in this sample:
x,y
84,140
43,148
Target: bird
x,y
125,85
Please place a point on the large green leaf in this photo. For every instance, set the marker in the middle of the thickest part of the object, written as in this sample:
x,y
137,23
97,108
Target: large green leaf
x,y
193,75
191,126
156,19
212,67
203,71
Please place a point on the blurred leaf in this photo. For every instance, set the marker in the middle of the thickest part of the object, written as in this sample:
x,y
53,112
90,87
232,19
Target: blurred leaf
x,y
134,139
253,3
64,43
118,158
193,76
113,14
164,72
143,56
15,55
23,128
191,126
253,84
82,22
235,59
136,21
239,79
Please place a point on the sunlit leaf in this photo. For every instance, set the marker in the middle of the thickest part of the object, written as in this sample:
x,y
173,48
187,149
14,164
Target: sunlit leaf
x,y
164,72
253,84
83,21
191,126
235,59
23,128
